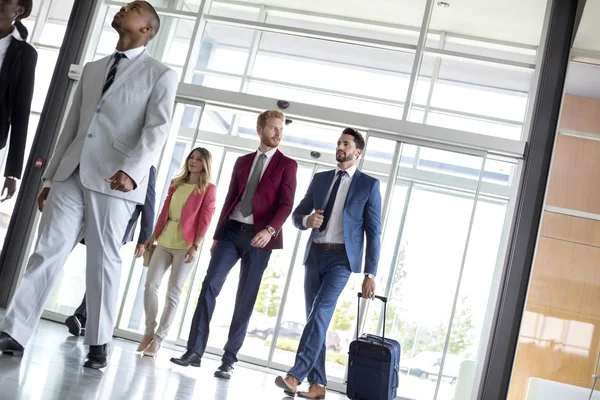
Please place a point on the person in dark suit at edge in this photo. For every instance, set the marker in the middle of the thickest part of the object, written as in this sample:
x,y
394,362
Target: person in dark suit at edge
x,y
341,207
259,200
18,60
76,322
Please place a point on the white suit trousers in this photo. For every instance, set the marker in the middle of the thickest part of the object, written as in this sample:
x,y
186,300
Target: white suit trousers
x,y
71,208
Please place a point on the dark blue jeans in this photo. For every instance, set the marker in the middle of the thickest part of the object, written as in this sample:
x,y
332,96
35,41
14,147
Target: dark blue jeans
x,y
234,244
327,272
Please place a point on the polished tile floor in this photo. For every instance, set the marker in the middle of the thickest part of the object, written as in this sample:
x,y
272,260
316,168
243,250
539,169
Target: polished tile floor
x,y
51,368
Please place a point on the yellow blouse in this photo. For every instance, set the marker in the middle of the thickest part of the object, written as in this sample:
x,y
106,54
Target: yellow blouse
x,y
171,236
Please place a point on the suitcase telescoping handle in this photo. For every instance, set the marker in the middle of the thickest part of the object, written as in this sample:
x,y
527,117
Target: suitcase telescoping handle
x,y
384,300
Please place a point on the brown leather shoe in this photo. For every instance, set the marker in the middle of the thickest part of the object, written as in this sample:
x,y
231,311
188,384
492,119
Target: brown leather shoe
x,y
289,384
315,391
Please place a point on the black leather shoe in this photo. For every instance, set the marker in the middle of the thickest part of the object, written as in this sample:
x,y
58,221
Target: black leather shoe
x,y
189,358
97,357
225,371
9,346
75,325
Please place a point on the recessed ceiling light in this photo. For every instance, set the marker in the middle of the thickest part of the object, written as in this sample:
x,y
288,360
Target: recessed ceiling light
x,y
443,4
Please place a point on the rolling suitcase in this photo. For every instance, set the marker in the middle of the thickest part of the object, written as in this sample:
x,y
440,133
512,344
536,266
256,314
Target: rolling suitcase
x,y
373,364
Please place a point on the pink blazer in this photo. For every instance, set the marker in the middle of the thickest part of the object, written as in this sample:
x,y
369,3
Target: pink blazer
x,y
195,216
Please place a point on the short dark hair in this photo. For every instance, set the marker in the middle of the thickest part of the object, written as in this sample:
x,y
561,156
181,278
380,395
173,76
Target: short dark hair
x,y
359,141
155,17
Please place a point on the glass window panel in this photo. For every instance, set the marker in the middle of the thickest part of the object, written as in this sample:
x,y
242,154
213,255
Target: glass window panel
x,y
450,163
525,54
109,37
482,90
217,82
43,75
331,66
475,125
380,150
35,9
246,127
60,10
475,97
468,339
424,256
516,23
416,115
224,49
53,34
248,13
406,15
216,120
343,27
429,259
499,172
175,37
314,97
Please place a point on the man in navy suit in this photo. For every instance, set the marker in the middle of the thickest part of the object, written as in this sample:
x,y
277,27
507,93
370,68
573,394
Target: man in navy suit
x,y
76,322
341,207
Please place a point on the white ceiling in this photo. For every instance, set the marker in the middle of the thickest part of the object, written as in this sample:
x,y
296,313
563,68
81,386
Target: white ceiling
x,y
583,80
588,34
518,21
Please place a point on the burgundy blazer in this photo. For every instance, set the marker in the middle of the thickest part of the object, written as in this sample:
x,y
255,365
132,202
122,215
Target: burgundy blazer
x,y
274,197
195,216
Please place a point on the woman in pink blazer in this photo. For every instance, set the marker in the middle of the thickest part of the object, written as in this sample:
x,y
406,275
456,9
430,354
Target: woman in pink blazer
x,y
181,226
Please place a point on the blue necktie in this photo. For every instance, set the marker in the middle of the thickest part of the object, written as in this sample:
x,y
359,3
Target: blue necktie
x,y
331,201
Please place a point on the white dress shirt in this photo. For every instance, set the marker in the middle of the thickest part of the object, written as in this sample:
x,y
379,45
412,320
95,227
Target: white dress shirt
x,y
130,55
236,214
5,43
334,232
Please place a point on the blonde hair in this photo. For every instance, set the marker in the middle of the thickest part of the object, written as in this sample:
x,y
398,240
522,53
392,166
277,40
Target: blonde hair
x,y
184,174
266,115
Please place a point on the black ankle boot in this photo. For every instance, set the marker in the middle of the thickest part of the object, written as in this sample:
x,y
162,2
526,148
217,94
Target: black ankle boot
x,y
9,346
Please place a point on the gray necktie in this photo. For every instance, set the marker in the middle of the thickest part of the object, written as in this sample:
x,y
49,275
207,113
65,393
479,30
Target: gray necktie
x,y
246,208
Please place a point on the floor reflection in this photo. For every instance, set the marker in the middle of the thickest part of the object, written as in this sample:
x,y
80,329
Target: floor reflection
x,y
52,369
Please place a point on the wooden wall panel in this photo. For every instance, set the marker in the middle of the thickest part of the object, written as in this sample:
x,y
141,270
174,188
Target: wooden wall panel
x,y
560,331
580,114
574,175
573,229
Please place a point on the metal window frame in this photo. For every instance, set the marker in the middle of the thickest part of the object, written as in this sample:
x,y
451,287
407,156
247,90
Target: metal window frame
x,y
400,130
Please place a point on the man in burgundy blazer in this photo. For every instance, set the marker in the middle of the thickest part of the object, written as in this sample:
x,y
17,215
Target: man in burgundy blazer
x,y
259,200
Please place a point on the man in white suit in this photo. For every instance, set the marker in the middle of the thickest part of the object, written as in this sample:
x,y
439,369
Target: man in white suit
x,y
118,122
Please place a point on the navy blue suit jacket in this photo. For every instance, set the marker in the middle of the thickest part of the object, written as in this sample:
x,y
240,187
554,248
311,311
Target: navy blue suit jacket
x,y
362,217
146,210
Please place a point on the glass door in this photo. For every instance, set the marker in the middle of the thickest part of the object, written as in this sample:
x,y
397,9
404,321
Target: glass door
x,y
444,213
443,222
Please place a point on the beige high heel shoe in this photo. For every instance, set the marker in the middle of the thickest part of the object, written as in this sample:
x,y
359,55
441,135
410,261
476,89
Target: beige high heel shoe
x,y
145,343
153,348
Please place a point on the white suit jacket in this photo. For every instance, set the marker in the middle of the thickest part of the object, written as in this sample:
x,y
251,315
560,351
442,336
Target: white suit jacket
x,y
122,130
